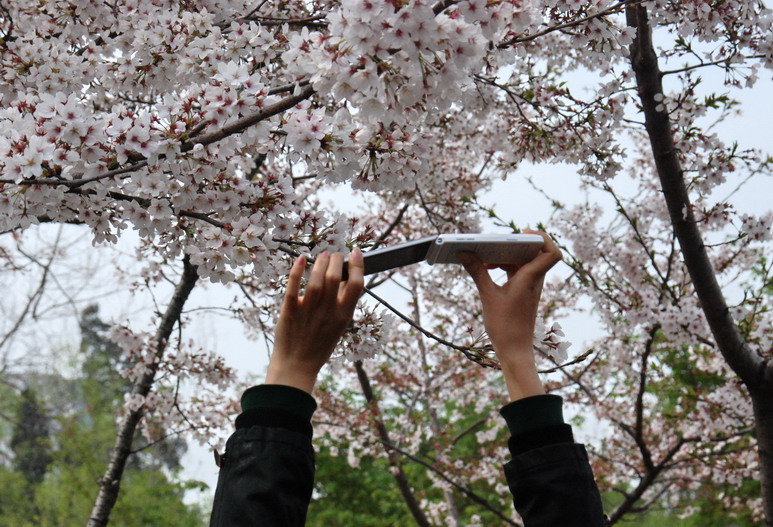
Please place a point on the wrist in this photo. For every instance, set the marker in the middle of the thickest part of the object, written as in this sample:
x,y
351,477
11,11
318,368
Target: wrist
x,y
288,375
520,372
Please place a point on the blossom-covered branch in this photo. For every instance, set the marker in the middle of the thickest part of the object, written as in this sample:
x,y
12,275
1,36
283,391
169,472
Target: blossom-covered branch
x,y
110,482
753,367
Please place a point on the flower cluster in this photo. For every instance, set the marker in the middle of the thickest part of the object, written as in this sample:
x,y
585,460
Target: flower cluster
x,y
367,335
210,128
551,341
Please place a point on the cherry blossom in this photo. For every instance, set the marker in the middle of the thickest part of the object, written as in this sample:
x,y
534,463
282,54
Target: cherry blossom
x,y
212,130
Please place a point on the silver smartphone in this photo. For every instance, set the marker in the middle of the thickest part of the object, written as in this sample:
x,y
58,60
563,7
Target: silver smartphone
x,y
500,249
497,249
386,258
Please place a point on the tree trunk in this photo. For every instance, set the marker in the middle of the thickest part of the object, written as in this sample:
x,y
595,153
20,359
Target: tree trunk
x,y
394,462
756,373
762,399
110,482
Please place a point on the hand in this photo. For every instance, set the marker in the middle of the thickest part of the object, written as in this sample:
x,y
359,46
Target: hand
x,y
311,325
510,312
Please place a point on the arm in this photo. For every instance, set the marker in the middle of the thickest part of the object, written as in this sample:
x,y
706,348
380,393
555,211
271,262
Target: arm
x,y
549,475
267,473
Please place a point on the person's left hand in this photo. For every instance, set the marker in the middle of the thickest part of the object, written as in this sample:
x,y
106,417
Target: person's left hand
x,y
311,325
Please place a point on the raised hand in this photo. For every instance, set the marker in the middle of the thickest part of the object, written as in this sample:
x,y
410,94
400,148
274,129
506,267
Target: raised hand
x,y
310,325
510,312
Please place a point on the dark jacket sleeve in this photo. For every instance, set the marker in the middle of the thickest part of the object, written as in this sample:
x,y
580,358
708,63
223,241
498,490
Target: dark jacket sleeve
x,y
549,474
267,471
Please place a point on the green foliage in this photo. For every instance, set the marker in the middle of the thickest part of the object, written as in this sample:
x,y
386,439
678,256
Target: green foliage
x,y
66,464
709,510
684,383
368,495
365,496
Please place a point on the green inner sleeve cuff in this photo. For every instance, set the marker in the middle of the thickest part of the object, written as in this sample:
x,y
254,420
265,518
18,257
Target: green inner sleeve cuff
x,y
292,400
533,412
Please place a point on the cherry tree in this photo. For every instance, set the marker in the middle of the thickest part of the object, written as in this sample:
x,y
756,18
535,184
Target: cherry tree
x,y
212,128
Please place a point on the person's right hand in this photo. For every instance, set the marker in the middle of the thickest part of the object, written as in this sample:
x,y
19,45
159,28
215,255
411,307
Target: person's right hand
x,y
310,325
510,313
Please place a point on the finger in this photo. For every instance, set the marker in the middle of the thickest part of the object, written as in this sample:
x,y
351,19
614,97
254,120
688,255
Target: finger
x,y
477,270
294,278
333,277
294,282
353,287
316,284
511,270
549,256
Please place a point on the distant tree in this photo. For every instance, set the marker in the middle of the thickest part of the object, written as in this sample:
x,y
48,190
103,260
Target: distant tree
x,y
31,438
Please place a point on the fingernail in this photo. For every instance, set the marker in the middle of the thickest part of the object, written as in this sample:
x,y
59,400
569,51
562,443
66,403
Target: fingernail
x,y
356,255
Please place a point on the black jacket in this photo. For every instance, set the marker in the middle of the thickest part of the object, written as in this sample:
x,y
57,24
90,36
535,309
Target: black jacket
x,y
267,472
266,478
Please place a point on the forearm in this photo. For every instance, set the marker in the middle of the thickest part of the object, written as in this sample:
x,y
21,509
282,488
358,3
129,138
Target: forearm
x,y
267,472
549,474
519,368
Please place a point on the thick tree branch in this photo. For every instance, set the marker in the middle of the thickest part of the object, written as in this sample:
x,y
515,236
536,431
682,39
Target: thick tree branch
x,y
756,373
639,428
739,356
110,482
649,478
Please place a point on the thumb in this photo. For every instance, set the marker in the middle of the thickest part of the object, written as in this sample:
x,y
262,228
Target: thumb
x,y
477,270
549,256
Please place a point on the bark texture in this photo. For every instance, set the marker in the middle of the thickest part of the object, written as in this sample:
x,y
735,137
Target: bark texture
x,y
110,482
755,372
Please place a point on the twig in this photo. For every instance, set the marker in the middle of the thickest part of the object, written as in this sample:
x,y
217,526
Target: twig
x,y
463,488
486,363
609,11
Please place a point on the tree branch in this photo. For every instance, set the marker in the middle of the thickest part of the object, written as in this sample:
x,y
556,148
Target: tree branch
x,y
756,373
483,361
639,427
400,478
464,489
234,128
620,6
644,484
110,482
34,299
250,120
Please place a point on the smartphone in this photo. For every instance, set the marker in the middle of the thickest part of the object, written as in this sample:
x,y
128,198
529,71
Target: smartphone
x,y
386,258
497,249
